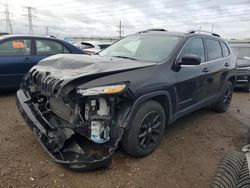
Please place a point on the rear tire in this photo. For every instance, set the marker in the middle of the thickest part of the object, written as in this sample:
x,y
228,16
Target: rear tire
x,y
224,101
146,130
232,172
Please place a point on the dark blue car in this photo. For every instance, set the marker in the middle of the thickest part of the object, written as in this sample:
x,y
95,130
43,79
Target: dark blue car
x,y
19,53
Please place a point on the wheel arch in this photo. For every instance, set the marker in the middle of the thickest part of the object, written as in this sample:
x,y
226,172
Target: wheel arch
x,y
127,112
158,96
232,79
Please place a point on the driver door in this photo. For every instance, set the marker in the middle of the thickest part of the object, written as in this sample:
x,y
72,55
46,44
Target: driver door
x,y
190,85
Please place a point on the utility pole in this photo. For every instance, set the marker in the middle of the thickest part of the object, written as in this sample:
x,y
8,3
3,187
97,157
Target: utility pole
x,y
47,31
199,28
8,25
121,29
212,28
30,17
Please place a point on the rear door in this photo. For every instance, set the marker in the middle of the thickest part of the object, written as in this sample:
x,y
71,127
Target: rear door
x,y
15,60
45,48
191,79
216,67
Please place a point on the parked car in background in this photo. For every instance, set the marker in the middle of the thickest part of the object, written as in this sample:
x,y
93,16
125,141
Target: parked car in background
x,y
91,47
19,53
3,33
241,49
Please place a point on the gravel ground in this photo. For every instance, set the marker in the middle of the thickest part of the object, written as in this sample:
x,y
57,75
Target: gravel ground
x,y
187,156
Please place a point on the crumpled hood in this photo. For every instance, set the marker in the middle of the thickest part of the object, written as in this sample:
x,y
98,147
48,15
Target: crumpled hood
x,y
71,66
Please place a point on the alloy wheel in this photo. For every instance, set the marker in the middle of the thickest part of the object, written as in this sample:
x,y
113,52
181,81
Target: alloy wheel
x,y
228,96
150,130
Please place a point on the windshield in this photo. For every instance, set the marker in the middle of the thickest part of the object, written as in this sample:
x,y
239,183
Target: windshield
x,y
147,47
241,52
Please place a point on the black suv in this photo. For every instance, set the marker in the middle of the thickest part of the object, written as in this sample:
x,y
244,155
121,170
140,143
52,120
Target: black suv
x,y
81,107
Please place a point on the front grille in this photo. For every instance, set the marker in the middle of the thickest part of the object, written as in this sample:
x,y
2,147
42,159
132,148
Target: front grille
x,y
45,82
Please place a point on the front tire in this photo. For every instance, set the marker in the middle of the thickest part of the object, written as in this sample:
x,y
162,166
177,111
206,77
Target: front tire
x,y
224,101
146,130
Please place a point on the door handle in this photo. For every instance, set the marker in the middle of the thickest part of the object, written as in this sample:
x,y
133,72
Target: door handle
x,y
28,59
205,70
226,64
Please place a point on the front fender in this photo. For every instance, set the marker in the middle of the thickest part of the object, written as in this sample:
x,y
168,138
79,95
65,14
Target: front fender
x,y
125,119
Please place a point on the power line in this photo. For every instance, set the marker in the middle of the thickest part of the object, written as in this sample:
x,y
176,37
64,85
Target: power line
x,y
145,7
185,18
158,15
97,10
133,20
148,7
221,19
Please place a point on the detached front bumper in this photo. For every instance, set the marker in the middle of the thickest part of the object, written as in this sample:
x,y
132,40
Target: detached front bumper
x,y
74,154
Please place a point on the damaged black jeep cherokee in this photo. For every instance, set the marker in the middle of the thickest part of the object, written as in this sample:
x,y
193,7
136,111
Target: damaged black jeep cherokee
x,y
81,107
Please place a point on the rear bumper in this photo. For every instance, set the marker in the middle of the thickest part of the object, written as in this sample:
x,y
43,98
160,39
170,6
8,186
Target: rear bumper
x,y
72,155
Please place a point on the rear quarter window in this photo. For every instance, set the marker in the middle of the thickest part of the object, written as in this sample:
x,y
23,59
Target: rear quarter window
x,y
225,49
213,49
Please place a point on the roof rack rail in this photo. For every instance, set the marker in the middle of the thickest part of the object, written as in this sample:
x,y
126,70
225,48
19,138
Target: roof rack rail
x,y
154,29
203,31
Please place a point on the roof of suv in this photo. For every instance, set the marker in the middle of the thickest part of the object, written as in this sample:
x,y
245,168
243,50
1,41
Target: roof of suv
x,y
181,34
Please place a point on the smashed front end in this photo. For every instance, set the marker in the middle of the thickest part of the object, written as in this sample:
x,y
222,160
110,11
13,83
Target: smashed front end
x,y
80,128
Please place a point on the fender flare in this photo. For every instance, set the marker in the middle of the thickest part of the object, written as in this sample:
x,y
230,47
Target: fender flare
x,y
144,98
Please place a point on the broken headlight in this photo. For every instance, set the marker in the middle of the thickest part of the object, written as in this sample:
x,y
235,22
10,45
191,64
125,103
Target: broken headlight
x,y
111,89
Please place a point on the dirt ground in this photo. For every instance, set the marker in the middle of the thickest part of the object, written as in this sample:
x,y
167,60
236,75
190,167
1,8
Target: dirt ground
x,y
186,158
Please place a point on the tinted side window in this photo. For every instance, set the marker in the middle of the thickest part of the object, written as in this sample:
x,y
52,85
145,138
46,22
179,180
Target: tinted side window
x,y
225,49
15,47
48,47
213,49
194,46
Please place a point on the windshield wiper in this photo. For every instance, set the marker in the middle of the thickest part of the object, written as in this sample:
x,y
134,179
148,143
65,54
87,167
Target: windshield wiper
x,y
125,57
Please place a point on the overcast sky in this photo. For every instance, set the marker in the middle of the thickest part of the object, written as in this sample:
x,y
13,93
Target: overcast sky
x,y
230,18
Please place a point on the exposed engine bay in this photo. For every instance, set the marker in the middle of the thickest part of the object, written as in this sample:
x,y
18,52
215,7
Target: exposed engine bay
x,y
91,117
88,116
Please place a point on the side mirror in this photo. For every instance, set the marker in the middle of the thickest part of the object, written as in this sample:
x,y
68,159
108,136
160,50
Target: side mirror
x,y
190,59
